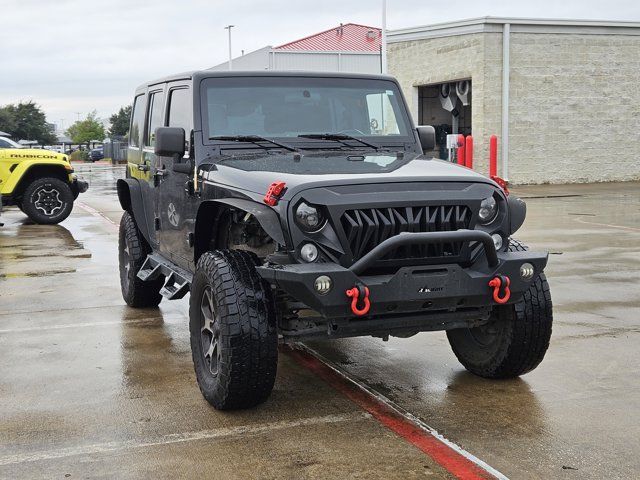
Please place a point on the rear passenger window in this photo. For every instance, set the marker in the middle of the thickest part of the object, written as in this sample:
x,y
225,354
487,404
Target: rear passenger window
x,y
180,109
154,120
137,121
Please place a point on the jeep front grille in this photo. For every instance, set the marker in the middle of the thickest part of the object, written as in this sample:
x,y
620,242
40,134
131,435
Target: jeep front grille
x,y
367,227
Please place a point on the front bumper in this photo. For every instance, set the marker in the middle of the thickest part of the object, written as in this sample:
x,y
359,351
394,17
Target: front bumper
x,y
433,288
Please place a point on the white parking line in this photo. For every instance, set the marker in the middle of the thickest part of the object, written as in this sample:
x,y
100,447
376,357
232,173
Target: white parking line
x,y
95,213
215,434
622,227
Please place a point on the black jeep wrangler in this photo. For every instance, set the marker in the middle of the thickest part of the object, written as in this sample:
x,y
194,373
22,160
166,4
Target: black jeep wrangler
x,y
305,205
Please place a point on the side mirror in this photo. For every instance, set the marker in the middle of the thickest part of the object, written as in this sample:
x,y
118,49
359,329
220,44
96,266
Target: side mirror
x,y
427,136
169,142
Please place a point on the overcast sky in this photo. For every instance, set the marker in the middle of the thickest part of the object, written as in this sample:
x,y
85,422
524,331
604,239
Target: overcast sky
x,y
74,56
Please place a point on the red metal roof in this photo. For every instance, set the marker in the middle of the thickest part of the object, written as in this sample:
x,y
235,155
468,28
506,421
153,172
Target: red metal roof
x,y
349,37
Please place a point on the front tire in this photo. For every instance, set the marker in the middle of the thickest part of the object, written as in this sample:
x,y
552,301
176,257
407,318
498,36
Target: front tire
x,y
47,200
232,321
516,338
132,252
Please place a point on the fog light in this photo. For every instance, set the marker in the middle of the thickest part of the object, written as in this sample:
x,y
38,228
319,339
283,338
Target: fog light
x,y
497,240
526,271
309,252
323,284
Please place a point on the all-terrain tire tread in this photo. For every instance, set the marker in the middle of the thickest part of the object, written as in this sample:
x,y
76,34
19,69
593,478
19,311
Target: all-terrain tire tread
x,y
527,338
139,294
247,316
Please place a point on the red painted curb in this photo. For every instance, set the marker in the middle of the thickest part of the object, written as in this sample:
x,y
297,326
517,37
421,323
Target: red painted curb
x,y
440,452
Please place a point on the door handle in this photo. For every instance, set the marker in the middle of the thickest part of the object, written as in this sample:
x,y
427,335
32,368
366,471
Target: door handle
x,y
158,175
143,167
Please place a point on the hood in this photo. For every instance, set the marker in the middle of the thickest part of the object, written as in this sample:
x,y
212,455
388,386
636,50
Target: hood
x,y
255,172
19,154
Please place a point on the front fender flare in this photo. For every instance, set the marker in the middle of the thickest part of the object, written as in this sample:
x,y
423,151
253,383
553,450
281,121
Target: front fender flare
x,y
267,217
22,170
208,212
130,197
517,213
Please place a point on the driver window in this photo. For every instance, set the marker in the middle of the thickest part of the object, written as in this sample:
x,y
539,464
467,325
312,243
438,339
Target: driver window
x,y
179,114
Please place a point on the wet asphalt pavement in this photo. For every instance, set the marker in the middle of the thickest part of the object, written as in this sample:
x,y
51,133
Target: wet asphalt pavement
x,y
92,388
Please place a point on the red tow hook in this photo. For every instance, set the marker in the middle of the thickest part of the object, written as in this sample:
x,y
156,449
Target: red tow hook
x,y
497,283
359,292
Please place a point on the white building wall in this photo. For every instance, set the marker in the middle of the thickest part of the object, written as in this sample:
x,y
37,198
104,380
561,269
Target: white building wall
x,y
270,59
574,108
323,62
360,63
256,60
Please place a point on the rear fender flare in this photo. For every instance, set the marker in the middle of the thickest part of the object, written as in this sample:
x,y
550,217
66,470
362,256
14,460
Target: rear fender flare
x,y
130,197
208,215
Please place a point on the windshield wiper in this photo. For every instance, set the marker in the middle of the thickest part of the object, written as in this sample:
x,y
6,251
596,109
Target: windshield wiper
x,y
255,139
338,136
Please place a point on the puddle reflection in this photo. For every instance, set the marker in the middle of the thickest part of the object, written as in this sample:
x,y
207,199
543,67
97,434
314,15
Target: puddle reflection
x,y
153,359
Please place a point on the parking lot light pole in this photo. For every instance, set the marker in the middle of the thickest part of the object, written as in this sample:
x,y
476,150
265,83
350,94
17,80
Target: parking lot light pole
x,y
229,27
383,49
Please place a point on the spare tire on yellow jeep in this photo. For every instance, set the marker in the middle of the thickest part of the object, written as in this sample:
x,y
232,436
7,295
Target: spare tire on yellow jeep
x,y
40,182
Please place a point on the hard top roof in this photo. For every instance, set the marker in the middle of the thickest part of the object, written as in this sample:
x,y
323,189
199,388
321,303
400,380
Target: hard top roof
x,y
198,75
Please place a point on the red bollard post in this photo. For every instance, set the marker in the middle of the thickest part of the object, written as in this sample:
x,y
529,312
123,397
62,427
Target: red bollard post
x,y
460,151
468,154
493,156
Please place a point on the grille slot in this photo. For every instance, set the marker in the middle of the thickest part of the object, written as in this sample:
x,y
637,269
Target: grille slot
x,y
367,227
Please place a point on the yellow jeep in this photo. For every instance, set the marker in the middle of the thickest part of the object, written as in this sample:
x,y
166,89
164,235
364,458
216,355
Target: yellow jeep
x,y
40,182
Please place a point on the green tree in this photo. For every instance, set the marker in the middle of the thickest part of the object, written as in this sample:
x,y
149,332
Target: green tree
x,y
120,121
7,120
84,131
26,121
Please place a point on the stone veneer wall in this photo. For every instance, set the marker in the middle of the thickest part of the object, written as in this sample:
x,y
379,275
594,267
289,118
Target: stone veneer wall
x,y
574,99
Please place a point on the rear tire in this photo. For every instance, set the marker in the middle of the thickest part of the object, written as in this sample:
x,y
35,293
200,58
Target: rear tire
x,y
232,320
132,252
515,340
47,200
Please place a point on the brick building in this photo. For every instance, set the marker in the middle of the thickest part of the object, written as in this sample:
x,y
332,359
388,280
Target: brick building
x,y
563,96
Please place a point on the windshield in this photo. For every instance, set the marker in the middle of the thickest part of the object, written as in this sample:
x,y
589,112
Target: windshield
x,y
289,107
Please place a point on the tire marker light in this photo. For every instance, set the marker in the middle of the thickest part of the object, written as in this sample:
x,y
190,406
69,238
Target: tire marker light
x,y
323,284
526,271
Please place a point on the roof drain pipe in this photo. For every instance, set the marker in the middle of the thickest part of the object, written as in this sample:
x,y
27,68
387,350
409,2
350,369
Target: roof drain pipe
x,y
506,29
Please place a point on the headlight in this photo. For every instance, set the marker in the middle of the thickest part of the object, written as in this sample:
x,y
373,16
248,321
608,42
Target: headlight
x,y
309,217
488,210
